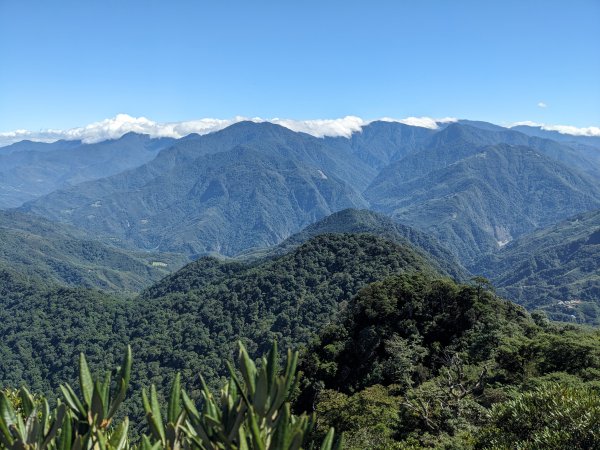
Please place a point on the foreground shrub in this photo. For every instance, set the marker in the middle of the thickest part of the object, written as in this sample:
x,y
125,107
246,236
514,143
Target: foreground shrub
x,y
552,416
251,412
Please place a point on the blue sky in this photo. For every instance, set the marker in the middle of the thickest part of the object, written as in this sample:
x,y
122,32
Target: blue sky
x,y
65,64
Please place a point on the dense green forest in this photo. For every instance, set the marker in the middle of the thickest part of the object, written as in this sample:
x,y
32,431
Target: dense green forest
x,y
365,221
413,361
251,411
191,320
417,362
391,354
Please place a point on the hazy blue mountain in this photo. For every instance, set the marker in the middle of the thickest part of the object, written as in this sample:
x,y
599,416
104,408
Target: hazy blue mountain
x,y
34,169
60,254
255,184
364,221
32,146
381,143
479,124
587,147
457,141
484,200
555,268
246,186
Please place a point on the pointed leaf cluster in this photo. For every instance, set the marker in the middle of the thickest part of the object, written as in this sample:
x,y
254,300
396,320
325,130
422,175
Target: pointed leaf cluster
x,y
251,412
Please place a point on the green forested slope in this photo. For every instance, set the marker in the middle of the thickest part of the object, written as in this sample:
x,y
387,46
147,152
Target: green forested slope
x,y
416,362
34,246
479,203
190,321
44,327
365,221
286,298
555,268
412,361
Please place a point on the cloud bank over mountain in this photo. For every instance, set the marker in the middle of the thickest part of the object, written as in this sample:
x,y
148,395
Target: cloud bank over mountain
x,y
562,129
121,124
115,127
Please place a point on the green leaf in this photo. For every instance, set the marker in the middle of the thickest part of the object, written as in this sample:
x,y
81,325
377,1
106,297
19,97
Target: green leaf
x,y
118,400
125,372
118,439
273,364
248,370
97,408
156,411
65,438
255,431
61,412
260,396
72,400
190,407
27,402
105,391
85,380
290,370
174,407
124,375
7,413
328,441
146,444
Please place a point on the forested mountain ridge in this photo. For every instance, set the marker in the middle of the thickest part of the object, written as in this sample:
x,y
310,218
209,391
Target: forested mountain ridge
x,y
365,221
459,140
246,191
192,319
192,197
555,268
416,362
412,361
44,326
60,254
380,143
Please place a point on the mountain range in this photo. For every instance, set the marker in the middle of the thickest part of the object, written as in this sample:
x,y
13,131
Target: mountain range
x,y
460,194
255,184
484,200
366,253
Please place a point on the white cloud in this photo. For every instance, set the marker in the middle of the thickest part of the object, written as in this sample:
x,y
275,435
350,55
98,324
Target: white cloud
x,y
542,105
324,127
562,129
121,124
425,122
117,126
